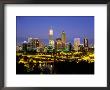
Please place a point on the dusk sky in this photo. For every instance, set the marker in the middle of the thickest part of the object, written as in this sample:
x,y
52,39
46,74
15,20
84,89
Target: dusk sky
x,y
38,27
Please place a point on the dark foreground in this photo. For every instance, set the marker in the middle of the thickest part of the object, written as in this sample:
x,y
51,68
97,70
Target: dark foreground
x,y
58,67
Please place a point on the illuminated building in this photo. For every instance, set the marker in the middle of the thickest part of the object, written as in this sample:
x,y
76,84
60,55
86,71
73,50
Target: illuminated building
x,y
45,49
29,39
41,47
18,48
24,47
51,41
63,38
85,43
36,42
41,44
49,49
69,46
58,44
33,43
76,44
81,47
91,48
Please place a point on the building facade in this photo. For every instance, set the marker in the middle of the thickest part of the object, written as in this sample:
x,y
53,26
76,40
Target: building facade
x,y
51,41
63,38
85,43
76,44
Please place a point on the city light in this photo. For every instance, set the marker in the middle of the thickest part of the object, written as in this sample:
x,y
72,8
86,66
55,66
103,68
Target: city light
x,y
61,51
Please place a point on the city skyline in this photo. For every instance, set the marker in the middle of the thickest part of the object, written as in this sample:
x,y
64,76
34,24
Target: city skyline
x,y
38,27
55,45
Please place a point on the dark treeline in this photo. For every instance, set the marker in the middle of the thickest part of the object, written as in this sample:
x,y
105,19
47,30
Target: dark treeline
x,y
66,67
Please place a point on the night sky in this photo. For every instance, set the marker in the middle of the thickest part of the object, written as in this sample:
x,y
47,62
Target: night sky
x,y
38,27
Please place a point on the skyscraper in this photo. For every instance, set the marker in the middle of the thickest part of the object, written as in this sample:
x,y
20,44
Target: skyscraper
x,y
24,46
58,44
63,38
33,42
29,39
70,46
76,44
85,43
51,41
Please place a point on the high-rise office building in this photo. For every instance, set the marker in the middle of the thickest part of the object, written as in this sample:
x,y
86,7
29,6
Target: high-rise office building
x,y
76,44
70,47
81,47
58,44
85,43
19,48
24,47
35,42
29,39
63,38
51,41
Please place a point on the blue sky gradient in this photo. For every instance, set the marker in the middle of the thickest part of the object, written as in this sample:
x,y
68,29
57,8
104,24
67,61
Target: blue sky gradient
x,y
38,27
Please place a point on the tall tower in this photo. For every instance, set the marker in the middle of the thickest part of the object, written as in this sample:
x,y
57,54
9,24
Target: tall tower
x,y
76,44
51,41
86,43
29,39
24,46
35,42
63,38
58,43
